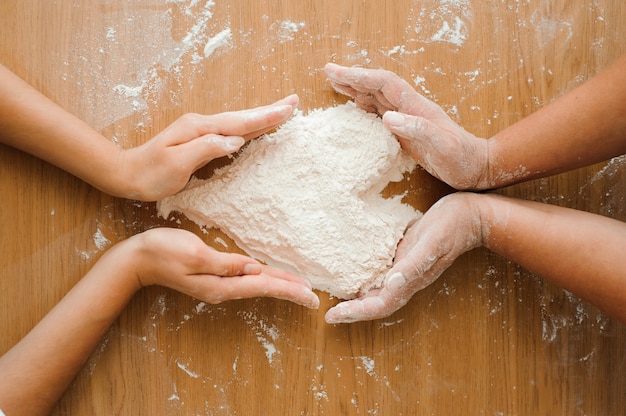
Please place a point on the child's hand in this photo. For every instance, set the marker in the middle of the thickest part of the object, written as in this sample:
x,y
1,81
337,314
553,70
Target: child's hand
x,y
163,165
180,260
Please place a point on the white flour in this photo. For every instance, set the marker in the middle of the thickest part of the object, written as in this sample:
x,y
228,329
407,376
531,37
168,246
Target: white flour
x,y
307,199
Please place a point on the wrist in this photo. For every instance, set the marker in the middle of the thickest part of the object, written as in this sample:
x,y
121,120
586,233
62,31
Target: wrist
x,y
145,256
461,216
125,177
120,265
472,220
493,216
486,178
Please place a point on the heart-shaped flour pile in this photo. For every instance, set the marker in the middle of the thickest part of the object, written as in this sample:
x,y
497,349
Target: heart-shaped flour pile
x,y
307,199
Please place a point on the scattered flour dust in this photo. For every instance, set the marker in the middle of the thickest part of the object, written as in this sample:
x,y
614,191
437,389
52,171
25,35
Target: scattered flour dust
x,y
446,21
307,198
99,241
217,41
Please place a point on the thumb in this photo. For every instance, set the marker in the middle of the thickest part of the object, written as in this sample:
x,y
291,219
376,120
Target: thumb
x,y
412,273
423,139
202,150
413,127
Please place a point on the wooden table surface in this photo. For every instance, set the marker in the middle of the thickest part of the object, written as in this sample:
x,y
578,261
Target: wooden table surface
x,y
487,338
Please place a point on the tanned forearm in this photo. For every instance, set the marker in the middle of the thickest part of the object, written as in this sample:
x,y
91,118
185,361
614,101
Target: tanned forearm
x,y
579,251
585,126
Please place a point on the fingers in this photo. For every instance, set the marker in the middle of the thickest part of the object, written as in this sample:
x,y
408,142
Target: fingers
x,y
370,101
195,139
249,123
377,88
225,264
442,147
411,126
361,79
380,305
291,100
254,122
408,241
197,153
245,123
200,271
215,289
417,135
417,264
402,282
211,261
285,275
225,276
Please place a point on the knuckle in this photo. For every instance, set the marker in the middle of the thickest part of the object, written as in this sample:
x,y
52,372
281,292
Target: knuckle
x,y
201,124
190,118
417,125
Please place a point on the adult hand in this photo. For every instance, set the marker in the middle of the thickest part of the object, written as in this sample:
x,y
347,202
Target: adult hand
x,y
180,260
163,165
424,130
448,229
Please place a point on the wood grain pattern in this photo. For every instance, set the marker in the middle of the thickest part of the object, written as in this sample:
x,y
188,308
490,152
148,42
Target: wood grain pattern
x,y
487,338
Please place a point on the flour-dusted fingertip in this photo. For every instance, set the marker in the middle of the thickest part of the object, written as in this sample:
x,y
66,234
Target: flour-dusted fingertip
x,y
228,144
334,72
313,301
395,282
283,110
293,100
339,314
393,119
330,318
330,67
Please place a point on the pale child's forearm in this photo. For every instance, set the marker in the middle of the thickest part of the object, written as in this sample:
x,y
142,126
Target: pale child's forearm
x,y
581,252
151,171
34,373
37,370
31,122
585,126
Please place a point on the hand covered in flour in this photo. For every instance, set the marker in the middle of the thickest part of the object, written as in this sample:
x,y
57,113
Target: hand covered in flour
x,y
424,130
448,229
180,260
162,166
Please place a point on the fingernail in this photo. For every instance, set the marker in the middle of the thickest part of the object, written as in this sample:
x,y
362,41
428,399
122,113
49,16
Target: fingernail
x,y
252,268
330,320
339,315
331,317
232,143
330,66
393,119
395,282
284,109
314,301
294,99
